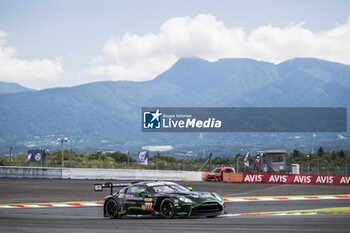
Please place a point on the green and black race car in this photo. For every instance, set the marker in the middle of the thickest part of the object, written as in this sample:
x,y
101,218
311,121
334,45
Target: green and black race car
x,y
158,198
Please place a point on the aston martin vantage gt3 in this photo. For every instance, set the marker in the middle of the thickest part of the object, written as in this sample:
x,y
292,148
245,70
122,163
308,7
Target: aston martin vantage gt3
x,y
159,198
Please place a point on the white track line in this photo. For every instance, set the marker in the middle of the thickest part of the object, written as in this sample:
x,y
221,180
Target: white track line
x,y
51,205
277,214
232,199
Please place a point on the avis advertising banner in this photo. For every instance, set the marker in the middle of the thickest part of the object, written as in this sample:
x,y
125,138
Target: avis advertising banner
x,y
143,158
295,179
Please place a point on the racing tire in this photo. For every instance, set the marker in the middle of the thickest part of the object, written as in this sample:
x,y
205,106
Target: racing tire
x,y
167,208
111,209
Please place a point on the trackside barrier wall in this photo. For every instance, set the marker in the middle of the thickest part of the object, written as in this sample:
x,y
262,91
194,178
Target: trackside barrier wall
x,y
296,179
26,172
205,176
86,173
232,177
226,177
128,174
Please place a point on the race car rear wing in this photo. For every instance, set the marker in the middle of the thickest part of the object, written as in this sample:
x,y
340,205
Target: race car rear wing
x,y
100,187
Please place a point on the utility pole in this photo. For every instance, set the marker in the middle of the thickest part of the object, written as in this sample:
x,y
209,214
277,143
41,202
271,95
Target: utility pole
x,y
346,163
99,159
183,162
62,141
157,161
237,157
128,160
206,162
42,157
70,161
210,161
46,161
10,155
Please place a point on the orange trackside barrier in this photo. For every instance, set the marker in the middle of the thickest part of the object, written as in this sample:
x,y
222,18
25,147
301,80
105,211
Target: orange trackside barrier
x,y
233,177
205,176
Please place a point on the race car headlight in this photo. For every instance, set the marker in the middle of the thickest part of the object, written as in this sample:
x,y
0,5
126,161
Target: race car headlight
x,y
185,199
217,196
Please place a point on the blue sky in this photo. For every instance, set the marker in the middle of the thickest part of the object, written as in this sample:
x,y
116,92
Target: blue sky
x,y
64,43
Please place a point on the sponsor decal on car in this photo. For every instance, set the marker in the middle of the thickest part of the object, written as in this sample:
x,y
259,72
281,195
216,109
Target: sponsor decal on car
x,y
148,204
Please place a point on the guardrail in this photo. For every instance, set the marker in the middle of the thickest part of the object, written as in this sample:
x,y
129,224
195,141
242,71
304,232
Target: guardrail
x,y
86,173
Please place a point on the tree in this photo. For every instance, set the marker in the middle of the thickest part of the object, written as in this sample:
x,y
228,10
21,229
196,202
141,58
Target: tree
x,y
320,151
120,157
93,155
295,154
334,155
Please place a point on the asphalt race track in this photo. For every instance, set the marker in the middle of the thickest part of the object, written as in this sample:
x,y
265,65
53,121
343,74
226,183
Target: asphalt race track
x,y
51,190
89,219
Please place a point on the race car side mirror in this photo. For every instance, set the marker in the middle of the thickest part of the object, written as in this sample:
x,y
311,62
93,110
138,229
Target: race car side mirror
x,y
140,191
189,188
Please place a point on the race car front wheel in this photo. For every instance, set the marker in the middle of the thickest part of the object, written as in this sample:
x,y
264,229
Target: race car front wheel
x,y
111,209
167,208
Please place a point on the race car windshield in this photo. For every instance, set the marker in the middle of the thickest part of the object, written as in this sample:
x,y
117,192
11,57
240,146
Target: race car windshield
x,y
169,188
216,171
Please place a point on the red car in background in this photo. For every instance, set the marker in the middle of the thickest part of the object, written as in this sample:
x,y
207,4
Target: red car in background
x,y
217,173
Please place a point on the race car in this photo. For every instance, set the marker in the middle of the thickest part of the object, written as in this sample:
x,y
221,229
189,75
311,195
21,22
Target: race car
x,y
159,198
217,173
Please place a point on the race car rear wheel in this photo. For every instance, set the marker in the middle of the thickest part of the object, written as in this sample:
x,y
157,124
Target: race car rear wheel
x,y
167,208
111,209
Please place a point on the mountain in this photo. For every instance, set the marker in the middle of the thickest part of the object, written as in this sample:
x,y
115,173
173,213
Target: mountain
x,y
6,88
218,83
106,115
306,82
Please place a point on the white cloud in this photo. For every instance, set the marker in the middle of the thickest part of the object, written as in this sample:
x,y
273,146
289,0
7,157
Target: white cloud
x,y
13,69
142,57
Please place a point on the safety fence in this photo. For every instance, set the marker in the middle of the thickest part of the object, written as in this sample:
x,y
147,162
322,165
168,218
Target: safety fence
x,y
335,163
186,165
